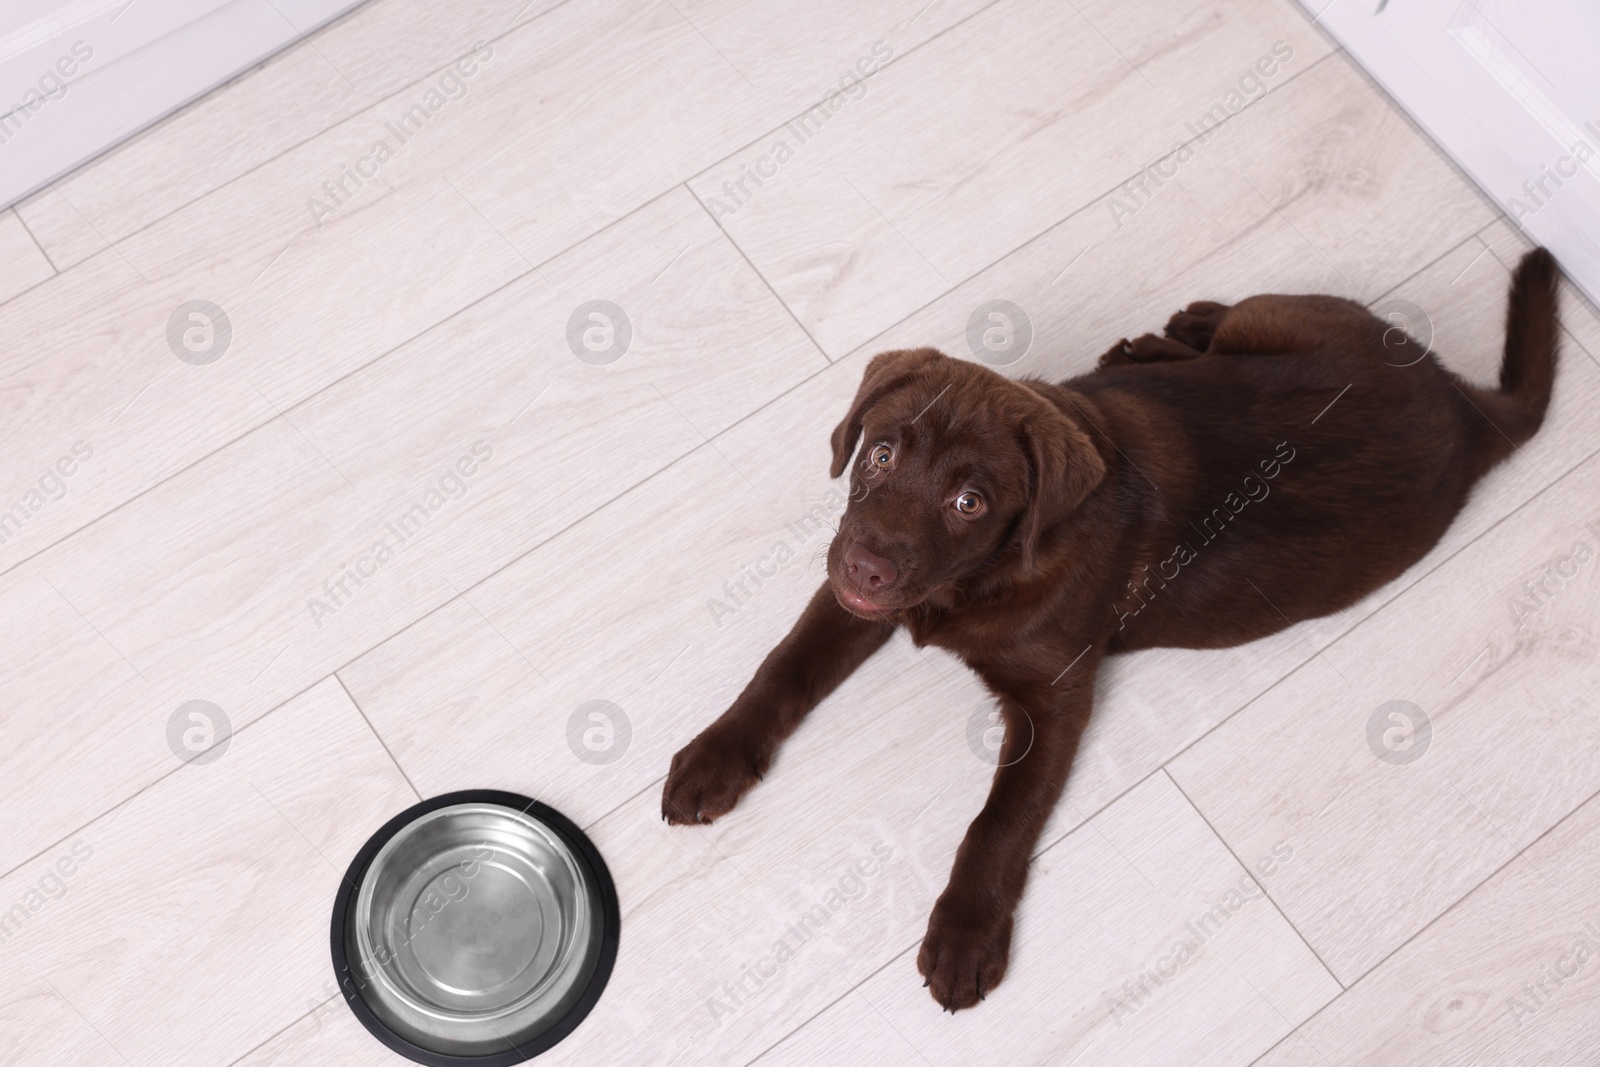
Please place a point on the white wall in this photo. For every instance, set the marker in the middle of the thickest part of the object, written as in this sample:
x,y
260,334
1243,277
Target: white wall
x,y
1511,89
77,76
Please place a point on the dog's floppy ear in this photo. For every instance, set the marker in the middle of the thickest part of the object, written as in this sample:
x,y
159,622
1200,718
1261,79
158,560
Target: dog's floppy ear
x,y
1065,467
886,372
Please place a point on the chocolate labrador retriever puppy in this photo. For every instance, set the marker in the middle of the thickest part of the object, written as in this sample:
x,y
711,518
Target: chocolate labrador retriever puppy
x,y
1260,464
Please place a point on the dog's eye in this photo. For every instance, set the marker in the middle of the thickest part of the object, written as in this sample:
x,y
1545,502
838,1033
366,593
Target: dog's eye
x,y
881,456
969,503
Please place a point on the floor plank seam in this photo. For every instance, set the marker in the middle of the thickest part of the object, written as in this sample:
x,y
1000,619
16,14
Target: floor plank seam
x,y
1434,262
728,237
54,270
20,293
1057,224
1269,1050
896,58
655,783
855,988
1240,861
1578,343
155,782
290,1025
1475,887
377,736
1471,891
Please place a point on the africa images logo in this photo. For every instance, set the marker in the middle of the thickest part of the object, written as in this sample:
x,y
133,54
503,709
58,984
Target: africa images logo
x,y
51,885
847,888
451,485
1252,489
736,192
451,85
53,84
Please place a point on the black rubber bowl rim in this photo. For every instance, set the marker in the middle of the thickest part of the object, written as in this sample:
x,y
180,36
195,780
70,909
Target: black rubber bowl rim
x,y
610,921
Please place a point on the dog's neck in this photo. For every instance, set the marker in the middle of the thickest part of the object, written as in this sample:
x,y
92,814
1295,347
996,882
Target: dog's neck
x,y
1066,565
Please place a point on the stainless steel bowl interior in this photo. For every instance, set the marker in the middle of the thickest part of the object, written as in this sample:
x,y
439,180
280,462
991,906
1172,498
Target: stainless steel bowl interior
x,y
475,929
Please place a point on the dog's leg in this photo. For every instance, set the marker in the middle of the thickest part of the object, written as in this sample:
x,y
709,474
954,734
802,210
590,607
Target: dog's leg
x,y
711,773
968,942
1275,325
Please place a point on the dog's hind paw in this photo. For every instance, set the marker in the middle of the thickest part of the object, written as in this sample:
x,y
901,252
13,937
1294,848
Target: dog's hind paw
x,y
1194,325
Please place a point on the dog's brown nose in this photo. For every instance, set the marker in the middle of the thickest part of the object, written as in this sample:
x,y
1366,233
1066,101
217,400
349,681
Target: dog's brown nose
x,y
867,570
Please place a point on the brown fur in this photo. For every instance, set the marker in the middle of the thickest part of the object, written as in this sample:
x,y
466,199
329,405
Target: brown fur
x,y
1258,465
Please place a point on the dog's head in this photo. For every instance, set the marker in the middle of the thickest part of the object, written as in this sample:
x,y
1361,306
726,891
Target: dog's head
x,y
959,468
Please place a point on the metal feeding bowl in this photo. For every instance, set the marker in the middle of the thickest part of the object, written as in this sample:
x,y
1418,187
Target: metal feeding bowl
x,y
477,928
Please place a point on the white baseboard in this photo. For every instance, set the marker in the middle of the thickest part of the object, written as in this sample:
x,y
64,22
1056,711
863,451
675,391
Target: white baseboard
x,y
79,76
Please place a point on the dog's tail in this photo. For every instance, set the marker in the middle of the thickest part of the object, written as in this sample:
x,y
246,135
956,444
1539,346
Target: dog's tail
x,y
1528,368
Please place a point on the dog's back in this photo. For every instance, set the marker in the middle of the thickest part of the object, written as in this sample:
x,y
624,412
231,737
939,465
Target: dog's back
x,y
1302,461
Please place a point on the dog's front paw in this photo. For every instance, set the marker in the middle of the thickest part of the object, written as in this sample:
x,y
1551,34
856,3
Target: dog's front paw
x,y
964,952
708,777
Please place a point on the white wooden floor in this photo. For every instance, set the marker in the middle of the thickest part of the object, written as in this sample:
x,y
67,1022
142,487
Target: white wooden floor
x,y
1334,908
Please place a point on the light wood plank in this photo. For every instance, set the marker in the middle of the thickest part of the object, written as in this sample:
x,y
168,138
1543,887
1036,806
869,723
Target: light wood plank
x,y
196,917
34,1009
532,160
1506,976
243,594
804,51
328,1033
489,688
945,165
102,375
386,49
378,49
408,252
1505,673
851,1030
1097,952
22,263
